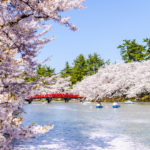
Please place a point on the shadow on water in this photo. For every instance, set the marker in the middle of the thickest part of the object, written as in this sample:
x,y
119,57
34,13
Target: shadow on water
x,y
83,127
67,136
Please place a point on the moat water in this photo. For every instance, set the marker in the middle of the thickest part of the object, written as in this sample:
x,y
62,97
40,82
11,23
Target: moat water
x,y
83,127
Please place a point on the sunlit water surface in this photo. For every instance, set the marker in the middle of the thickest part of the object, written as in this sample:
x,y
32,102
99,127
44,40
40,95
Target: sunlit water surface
x,y
83,127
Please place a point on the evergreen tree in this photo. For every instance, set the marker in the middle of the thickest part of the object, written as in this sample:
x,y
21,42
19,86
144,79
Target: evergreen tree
x,y
132,51
66,71
41,71
83,67
44,71
79,70
147,55
107,62
94,62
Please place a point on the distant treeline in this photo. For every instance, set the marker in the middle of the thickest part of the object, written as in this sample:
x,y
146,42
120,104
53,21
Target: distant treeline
x,y
83,67
130,50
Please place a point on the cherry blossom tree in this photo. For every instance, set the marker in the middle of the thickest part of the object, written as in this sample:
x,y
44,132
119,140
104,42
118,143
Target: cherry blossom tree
x,y
22,25
52,85
117,80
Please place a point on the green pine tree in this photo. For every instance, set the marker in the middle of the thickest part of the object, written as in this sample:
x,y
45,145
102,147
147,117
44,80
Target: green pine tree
x,y
94,62
44,71
79,70
66,71
147,54
132,51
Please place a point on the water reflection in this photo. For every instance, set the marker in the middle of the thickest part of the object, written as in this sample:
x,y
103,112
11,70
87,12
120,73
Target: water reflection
x,y
83,127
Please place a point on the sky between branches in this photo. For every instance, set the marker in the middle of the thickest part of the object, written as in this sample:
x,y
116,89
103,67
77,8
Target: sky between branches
x,y
102,27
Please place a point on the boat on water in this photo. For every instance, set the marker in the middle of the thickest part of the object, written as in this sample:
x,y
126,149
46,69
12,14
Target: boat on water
x,y
129,102
116,105
99,106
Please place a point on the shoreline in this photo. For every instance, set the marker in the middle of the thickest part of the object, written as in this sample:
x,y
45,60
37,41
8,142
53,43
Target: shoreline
x,y
144,98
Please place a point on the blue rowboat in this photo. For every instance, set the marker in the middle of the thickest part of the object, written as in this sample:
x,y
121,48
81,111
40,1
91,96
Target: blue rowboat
x,y
99,106
116,106
129,102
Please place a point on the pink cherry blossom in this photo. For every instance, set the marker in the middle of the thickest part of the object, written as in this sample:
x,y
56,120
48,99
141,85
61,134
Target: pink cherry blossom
x,y
20,42
124,79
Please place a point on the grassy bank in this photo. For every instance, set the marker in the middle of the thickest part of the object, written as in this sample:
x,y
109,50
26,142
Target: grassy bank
x,y
141,98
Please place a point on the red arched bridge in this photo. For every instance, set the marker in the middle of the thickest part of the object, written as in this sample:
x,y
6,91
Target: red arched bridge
x,y
49,97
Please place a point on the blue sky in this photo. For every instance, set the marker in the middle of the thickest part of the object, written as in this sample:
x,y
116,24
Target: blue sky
x,y
103,25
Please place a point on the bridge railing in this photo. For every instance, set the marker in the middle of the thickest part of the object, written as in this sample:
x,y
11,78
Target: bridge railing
x,y
48,97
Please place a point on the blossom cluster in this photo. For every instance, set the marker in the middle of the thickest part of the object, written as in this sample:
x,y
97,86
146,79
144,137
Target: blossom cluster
x,y
123,79
52,85
22,26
